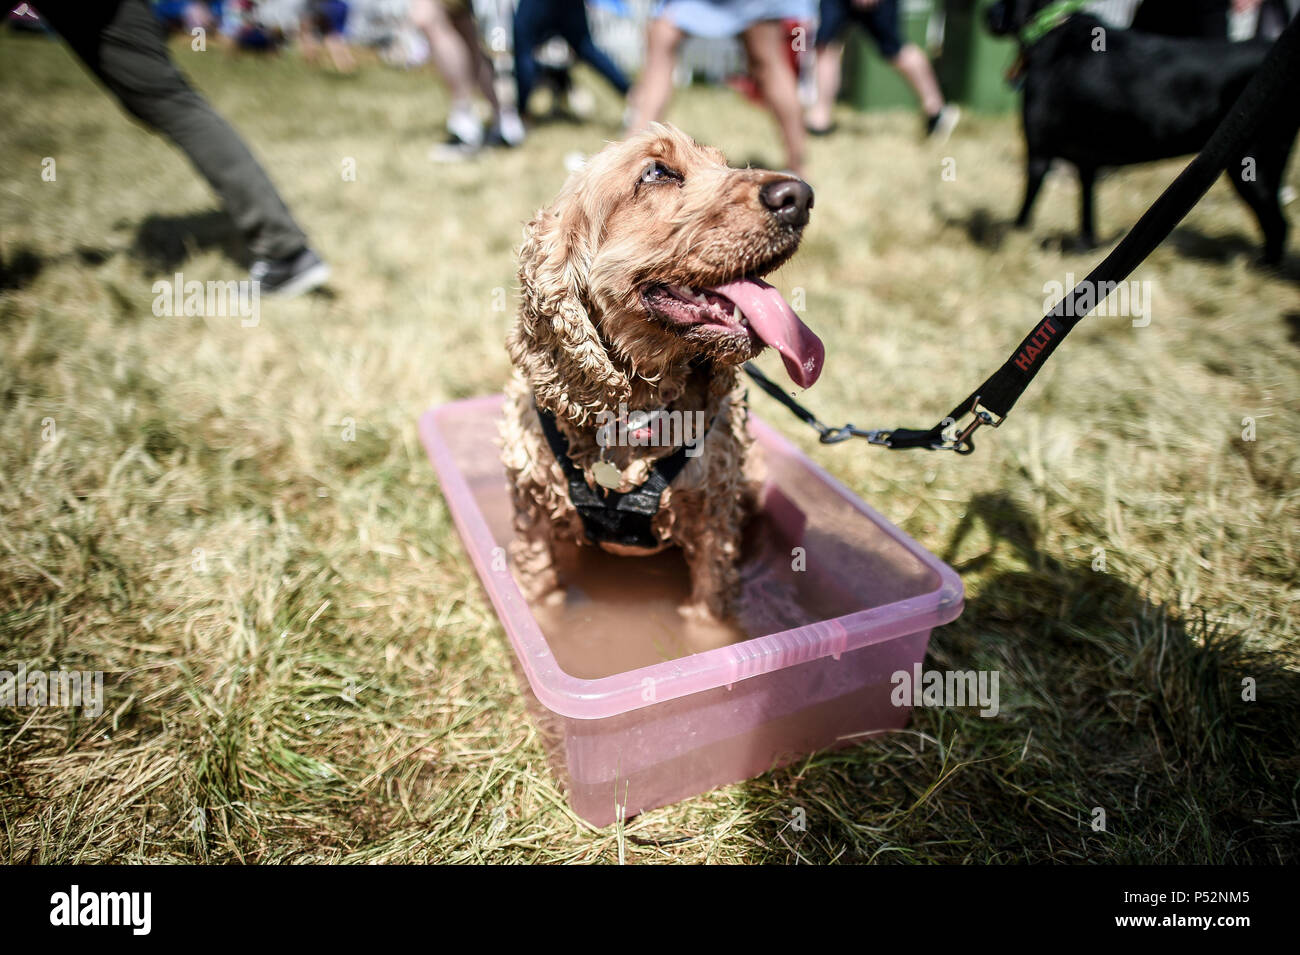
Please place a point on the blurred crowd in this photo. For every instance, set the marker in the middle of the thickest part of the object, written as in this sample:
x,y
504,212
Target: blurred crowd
x,y
494,56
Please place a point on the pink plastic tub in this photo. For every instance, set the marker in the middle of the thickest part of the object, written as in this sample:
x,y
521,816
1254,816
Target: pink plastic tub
x,y
640,708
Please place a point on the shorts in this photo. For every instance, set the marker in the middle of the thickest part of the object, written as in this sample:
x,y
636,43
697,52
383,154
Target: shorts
x,y
880,20
728,18
330,16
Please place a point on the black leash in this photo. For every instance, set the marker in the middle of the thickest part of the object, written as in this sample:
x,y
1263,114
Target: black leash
x,y
1273,90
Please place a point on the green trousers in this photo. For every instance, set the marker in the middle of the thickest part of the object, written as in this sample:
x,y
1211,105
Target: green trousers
x,y
123,44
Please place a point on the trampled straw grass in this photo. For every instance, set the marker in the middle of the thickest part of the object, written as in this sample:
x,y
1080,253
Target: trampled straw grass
x,y
300,664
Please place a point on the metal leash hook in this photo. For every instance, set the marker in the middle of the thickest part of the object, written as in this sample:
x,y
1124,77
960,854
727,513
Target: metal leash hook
x,y
964,443
896,439
836,435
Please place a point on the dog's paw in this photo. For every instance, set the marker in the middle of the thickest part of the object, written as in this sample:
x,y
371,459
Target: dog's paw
x,y
696,612
542,592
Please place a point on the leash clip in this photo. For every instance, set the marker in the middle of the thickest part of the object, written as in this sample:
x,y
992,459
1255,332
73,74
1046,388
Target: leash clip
x,y
836,435
964,443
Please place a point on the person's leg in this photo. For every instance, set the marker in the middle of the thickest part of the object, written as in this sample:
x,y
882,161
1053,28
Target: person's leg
x,y
765,42
507,127
881,21
911,63
826,71
199,15
309,44
454,64
528,19
123,46
914,66
576,31
649,98
446,49
832,19
335,15
599,61
481,67
340,53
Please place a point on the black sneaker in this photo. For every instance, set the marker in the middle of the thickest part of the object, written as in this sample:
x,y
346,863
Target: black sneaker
x,y
290,276
504,136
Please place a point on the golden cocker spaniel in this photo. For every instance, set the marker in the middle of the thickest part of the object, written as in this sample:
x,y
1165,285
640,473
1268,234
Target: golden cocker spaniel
x,y
642,296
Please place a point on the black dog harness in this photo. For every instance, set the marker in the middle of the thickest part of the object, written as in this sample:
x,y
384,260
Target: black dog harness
x,y
613,517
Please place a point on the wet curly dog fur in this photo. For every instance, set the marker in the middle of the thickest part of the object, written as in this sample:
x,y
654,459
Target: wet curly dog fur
x,y
614,277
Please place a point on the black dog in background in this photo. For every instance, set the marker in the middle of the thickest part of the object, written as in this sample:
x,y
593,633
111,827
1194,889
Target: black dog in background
x,y
1201,18
1143,98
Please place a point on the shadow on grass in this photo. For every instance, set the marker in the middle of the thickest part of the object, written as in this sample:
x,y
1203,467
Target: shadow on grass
x,y
1292,320
161,245
989,231
986,230
1071,243
1224,249
20,269
983,228
1108,704
164,243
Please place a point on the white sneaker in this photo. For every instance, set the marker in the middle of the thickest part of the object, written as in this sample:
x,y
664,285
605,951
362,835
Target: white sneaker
x,y
581,102
942,123
510,128
463,123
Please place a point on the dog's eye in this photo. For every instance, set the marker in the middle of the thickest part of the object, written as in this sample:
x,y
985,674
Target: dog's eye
x,y
661,173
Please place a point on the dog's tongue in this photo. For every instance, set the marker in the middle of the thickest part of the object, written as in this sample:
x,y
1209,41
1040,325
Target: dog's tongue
x,y
775,322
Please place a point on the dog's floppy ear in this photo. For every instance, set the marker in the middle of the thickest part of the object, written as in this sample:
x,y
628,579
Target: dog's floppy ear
x,y
555,343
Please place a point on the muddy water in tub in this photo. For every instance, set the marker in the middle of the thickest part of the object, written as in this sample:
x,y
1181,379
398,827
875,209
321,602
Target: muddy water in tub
x,y
803,561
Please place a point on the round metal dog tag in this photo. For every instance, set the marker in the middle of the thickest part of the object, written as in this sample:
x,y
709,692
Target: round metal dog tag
x,y
607,475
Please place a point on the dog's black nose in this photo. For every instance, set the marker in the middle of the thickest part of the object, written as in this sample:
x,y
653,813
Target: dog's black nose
x,y
788,199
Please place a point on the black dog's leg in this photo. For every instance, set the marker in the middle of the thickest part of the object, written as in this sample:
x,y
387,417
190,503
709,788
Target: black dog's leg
x,y
1087,225
1037,169
1257,179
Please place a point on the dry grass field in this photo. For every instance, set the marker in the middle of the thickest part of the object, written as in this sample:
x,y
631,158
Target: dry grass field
x,y
301,665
